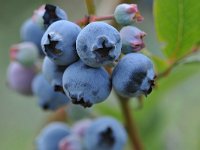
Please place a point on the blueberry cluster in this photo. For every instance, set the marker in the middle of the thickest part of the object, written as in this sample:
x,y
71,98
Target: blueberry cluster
x,y
104,133
74,64
76,60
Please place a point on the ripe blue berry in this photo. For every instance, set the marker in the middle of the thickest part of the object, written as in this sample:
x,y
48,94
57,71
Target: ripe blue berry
x,y
59,42
20,78
105,134
134,75
126,14
86,85
132,39
26,53
32,32
51,135
53,13
53,73
48,99
98,44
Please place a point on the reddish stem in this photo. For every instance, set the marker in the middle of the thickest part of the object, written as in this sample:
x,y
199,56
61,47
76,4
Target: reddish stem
x,y
87,19
102,18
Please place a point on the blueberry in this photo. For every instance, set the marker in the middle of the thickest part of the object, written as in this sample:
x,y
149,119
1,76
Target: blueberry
x,y
70,142
134,75
38,14
48,99
85,85
132,39
53,73
59,42
53,13
51,135
98,44
80,127
32,32
26,53
127,14
20,78
105,133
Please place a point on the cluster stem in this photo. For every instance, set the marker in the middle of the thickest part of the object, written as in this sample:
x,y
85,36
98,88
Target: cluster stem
x,y
130,123
90,7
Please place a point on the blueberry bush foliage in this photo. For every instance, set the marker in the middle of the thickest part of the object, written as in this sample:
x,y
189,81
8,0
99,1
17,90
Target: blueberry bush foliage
x,y
95,74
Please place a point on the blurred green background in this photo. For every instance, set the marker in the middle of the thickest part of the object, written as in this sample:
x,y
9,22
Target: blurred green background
x,y
169,119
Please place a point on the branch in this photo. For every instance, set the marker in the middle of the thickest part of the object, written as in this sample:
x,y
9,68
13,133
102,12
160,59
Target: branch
x,y
130,124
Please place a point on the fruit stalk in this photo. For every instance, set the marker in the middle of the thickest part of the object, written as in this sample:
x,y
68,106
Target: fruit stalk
x,y
102,18
90,7
59,115
92,18
130,123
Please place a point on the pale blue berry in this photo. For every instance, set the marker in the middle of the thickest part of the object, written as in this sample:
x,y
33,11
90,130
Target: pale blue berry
x,y
48,99
51,135
32,32
53,73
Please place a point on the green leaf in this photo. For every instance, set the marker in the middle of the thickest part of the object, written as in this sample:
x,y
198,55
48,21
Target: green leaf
x,y
177,25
